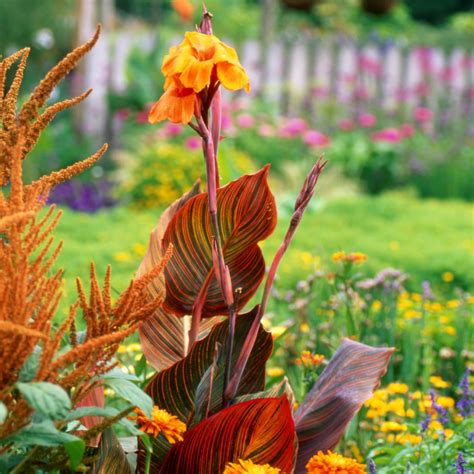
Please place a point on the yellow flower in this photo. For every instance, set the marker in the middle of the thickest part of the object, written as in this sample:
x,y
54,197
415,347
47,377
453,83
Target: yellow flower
x,y
161,422
122,257
394,245
139,249
324,463
201,62
249,467
410,413
404,438
447,277
392,426
448,433
451,304
275,371
338,256
438,382
445,402
278,331
412,314
304,327
396,387
377,305
450,330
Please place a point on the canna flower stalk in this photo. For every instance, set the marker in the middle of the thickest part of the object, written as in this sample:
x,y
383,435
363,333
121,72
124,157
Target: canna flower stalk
x,y
194,72
302,202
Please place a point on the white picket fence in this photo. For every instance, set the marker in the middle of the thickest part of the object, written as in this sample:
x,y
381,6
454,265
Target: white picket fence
x,y
297,74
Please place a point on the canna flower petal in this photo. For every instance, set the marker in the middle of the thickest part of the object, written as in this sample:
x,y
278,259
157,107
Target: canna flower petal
x,y
176,105
177,59
204,46
233,77
197,74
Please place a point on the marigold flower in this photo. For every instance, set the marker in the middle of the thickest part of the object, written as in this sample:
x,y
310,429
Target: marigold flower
x,y
437,382
392,426
161,422
201,62
249,467
308,359
323,463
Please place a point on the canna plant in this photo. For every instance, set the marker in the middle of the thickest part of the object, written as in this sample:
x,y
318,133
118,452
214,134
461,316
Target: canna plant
x,y
212,410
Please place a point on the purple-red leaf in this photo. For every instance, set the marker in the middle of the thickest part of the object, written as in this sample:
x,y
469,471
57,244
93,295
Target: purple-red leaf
x,y
246,215
164,337
350,378
176,389
95,398
261,430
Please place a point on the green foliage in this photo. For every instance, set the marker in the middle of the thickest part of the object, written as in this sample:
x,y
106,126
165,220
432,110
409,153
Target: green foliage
x,y
50,400
151,184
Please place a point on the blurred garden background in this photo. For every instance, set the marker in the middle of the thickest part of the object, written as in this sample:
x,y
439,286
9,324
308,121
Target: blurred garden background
x,y
384,89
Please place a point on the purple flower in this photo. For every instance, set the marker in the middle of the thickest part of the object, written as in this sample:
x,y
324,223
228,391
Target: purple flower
x,y
389,280
465,404
83,197
372,467
427,293
425,423
441,411
460,463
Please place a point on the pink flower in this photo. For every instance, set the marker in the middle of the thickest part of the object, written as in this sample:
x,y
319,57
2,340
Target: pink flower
x,y
266,130
424,57
422,89
172,129
193,143
390,135
346,124
123,113
370,65
245,121
422,114
226,121
142,117
366,120
315,138
407,130
293,127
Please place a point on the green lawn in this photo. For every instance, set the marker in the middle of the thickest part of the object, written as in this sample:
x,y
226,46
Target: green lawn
x,y
423,237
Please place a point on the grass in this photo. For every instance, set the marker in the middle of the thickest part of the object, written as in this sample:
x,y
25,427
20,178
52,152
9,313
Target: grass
x,y
423,237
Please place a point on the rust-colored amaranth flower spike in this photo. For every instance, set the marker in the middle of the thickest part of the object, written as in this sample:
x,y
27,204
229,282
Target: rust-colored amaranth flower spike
x,y
30,290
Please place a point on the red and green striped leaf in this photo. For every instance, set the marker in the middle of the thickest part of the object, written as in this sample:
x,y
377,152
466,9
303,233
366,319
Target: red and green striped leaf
x,y
95,398
247,214
163,336
111,456
176,389
261,430
350,378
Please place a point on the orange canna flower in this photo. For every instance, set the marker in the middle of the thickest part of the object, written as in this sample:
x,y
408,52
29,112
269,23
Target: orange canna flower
x,y
198,65
184,8
161,422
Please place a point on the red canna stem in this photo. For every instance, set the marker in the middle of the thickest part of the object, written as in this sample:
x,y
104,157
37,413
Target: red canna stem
x,y
302,201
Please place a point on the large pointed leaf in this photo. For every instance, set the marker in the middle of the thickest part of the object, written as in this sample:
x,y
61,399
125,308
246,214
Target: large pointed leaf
x,y
261,430
164,337
246,215
350,378
175,389
111,456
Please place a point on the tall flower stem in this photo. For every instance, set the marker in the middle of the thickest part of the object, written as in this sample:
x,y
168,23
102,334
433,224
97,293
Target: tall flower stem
x,y
302,201
220,268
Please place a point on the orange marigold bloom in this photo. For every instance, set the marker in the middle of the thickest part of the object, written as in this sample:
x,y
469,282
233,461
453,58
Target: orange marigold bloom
x,y
200,62
161,422
333,463
249,467
308,359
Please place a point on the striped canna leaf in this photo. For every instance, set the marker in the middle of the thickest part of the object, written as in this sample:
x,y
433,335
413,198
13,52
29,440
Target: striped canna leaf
x,y
164,337
261,430
350,378
176,389
246,213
